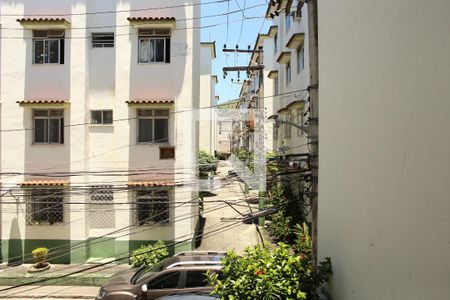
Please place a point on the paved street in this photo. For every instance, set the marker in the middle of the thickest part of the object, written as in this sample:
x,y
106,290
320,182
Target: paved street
x,y
50,292
239,236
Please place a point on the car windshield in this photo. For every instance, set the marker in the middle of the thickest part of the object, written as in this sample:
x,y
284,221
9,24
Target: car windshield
x,y
145,272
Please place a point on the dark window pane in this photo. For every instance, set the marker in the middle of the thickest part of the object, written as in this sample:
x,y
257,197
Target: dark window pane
x,y
161,112
166,281
54,131
196,279
107,117
159,50
52,52
40,130
40,33
145,113
96,117
40,113
38,51
145,130
56,113
161,130
103,40
61,51
168,50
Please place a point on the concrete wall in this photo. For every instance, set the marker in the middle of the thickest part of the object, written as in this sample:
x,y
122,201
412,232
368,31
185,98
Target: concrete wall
x,y
384,212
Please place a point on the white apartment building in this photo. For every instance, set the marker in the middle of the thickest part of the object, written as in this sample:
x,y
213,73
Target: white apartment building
x,y
286,75
384,209
98,136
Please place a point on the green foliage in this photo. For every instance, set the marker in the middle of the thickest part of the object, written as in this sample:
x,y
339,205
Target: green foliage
x,y
206,162
266,274
149,255
289,213
272,166
40,255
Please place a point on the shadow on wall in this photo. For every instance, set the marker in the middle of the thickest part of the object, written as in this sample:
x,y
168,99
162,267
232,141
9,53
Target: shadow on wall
x,y
15,244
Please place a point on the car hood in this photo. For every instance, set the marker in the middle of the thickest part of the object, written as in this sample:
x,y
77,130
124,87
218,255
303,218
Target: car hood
x,y
122,278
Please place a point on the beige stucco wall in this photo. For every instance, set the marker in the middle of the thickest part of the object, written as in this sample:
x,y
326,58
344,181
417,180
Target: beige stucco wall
x,y
384,182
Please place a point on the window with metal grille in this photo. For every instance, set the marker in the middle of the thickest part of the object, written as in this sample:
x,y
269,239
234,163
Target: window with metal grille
x,y
48,46
48,126
45,206
103,40
101,212
102,193
154,46
152,206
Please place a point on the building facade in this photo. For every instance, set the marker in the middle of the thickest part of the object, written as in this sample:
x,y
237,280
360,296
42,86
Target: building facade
x,y
98,132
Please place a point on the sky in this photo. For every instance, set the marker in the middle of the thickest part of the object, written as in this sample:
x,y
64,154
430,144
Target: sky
x,y
255,11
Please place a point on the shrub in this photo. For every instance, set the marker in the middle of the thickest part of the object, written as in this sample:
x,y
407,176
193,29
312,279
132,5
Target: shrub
x,y
263,274
149,255
206,162
40,255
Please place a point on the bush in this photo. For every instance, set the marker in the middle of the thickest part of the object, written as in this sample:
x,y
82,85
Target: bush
x,y
40,255
149,255
263,274
206,162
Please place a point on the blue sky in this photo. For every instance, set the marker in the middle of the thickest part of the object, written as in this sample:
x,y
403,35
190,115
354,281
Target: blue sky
x,y
251,27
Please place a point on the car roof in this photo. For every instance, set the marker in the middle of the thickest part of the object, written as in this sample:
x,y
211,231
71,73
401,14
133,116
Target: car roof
x,y
191,260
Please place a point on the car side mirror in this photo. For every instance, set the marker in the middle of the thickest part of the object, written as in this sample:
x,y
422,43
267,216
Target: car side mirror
x,y
144,288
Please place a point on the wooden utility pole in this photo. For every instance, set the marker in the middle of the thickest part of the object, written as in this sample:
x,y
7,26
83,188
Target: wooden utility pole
x,y
314,116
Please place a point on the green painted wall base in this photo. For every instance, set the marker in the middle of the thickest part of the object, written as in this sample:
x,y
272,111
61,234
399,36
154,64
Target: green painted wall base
x,y
15,251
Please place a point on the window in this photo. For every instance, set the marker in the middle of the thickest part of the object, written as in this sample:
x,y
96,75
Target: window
x,y
154,46
166,152
288,73
102,193
45,206
165,281
152,206
101,210
196,279
153,125
287,127
48,46
103,40
275,86
275,41
287,19
299,121
275,132
101,116
48,126
300,59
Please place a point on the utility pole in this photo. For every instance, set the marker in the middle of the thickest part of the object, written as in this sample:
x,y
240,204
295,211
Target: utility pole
x,y
314,116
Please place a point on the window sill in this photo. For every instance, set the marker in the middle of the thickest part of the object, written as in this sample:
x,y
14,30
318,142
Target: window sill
x,y
101,125
47,145
59,224
154,144
48,64
154,63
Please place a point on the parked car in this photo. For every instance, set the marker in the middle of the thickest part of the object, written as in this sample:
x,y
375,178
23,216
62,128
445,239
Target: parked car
x,y
175,275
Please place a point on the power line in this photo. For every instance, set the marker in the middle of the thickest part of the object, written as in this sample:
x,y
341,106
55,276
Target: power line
x,y
116,11
129,25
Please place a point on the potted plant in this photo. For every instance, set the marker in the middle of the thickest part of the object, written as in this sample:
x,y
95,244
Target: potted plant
x,y
40,257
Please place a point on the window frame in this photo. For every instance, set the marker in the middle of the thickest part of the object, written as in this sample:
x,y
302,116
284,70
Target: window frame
x,y
287,21
47,133
46,40
288,73
167,40
153,118
299,120
300,58
103,111
31,211
288,127
102,43
275,41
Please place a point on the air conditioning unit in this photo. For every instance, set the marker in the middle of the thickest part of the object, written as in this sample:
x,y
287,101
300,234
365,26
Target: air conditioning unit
x,y
296,15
